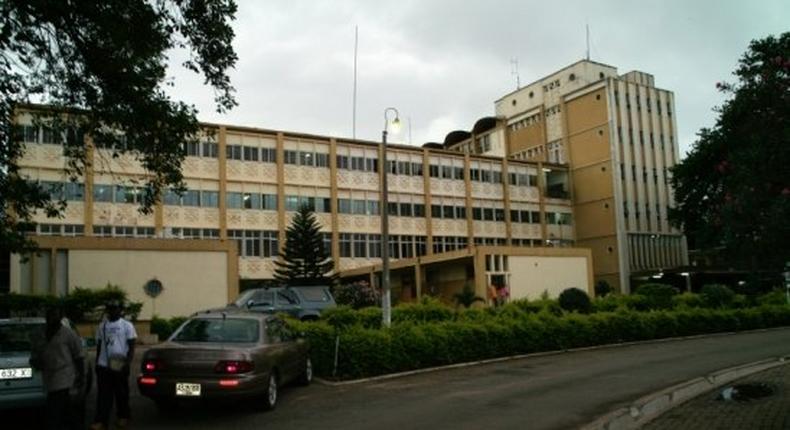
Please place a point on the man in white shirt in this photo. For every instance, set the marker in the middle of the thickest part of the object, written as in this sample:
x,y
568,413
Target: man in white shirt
x,y
115,339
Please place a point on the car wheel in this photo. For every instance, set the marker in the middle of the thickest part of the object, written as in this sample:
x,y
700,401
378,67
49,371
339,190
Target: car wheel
x,y
307,374
270,396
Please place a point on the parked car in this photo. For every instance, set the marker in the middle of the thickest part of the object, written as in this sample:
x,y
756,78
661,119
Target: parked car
x,y
225,355
304,303
20,384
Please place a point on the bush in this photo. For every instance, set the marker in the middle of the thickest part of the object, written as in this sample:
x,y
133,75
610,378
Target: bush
x,y
657,296
603,289
80,304
775,297
575,300
717,296
357,295
479,334
688,301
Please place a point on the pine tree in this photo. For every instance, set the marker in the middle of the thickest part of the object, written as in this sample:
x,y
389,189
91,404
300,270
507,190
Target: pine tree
x,y
304,261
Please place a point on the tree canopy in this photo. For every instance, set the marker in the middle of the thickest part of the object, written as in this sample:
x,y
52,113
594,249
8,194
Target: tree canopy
x,y
100,69
733,188
304,259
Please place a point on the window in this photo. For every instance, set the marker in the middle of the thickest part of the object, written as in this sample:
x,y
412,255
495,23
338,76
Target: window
x,y
191,198
321,160
233,200
460,212
209,199
306,158
291,203
322,204
499,214
345,245
372,207
434,171
102,193
291,157
374,246
416,169
250,153
268,155
251,201
477,214
458,173
419,210
360,246
447,172
233,152
371,165
342,162
344,206
488,214
406,209
436,211
210,150
448,212
170,198
124,194
269,202
102,230
358,163
192,149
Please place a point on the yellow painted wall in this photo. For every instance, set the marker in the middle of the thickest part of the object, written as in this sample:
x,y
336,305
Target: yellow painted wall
x,y
526,137
586,111
530,276
192,280
594,219
604,261
593,182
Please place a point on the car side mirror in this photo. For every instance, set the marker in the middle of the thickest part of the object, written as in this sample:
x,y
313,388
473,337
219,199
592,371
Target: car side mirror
x,y
250,303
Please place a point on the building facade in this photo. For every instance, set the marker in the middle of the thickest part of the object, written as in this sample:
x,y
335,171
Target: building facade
x,y
244,184
617,134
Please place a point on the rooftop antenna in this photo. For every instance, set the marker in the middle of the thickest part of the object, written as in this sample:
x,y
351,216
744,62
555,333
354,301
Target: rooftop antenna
x,y
354,102
588,41
514,71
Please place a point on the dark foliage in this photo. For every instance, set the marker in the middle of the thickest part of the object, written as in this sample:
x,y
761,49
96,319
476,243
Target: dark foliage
x,y
304,260
100,69
575,300
733,188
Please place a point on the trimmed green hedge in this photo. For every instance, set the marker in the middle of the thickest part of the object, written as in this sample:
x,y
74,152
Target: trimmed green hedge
x,y
80,304
423,339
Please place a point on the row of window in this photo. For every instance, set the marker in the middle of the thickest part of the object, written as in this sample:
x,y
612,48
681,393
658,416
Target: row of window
x,y
69,191
48,135
256,243
448,243
638,100
525,122
360,245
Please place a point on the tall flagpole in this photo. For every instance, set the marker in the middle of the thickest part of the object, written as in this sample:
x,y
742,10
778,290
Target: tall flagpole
x,y
354,113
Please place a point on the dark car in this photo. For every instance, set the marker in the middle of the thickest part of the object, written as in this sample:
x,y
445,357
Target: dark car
x,y
225,355
304,303
21,385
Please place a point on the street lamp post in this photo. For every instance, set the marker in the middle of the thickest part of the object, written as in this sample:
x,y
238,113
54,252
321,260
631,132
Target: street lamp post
x,y
386,305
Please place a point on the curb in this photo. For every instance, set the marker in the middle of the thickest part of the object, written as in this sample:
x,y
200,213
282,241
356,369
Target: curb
x,y
649,407
532,355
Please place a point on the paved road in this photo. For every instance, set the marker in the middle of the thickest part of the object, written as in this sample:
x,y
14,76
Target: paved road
x,y
550,392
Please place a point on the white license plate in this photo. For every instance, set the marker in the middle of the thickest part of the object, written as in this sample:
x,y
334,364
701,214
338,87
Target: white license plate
x,y
18,373
189,390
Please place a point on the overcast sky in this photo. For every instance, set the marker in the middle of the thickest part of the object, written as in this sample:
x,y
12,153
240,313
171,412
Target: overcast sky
x,y
442,64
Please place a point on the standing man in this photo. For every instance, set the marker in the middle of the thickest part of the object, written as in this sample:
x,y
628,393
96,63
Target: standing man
x,y
115,340
61,361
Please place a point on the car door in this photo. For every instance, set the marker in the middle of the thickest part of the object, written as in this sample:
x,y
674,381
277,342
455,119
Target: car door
x,y
281,341
263,301
286,301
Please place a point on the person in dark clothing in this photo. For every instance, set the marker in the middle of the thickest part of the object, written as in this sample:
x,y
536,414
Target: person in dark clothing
x,y
115,340
61,361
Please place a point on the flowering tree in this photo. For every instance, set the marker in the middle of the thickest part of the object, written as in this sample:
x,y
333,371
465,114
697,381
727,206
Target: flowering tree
x,y
733,188
357,295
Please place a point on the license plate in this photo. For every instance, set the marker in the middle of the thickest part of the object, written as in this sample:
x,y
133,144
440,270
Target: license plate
x,y
189,390
18,373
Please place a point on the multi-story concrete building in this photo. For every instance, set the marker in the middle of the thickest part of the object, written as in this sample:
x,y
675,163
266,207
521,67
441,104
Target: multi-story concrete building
x,y
617,133
243,186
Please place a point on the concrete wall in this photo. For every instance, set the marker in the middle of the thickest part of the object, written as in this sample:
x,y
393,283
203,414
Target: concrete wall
x,y
531,275
192,280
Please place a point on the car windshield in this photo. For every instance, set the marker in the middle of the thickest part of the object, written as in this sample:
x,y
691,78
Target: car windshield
x,y
20,337
219,331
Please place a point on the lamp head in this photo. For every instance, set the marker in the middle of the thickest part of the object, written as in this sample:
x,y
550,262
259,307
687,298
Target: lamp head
x,y
395,125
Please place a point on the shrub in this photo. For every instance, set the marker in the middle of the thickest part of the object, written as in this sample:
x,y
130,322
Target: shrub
x,y
80,304
357,295
717,296
575,300
657,296
688,301
775,297
603,289
427,310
